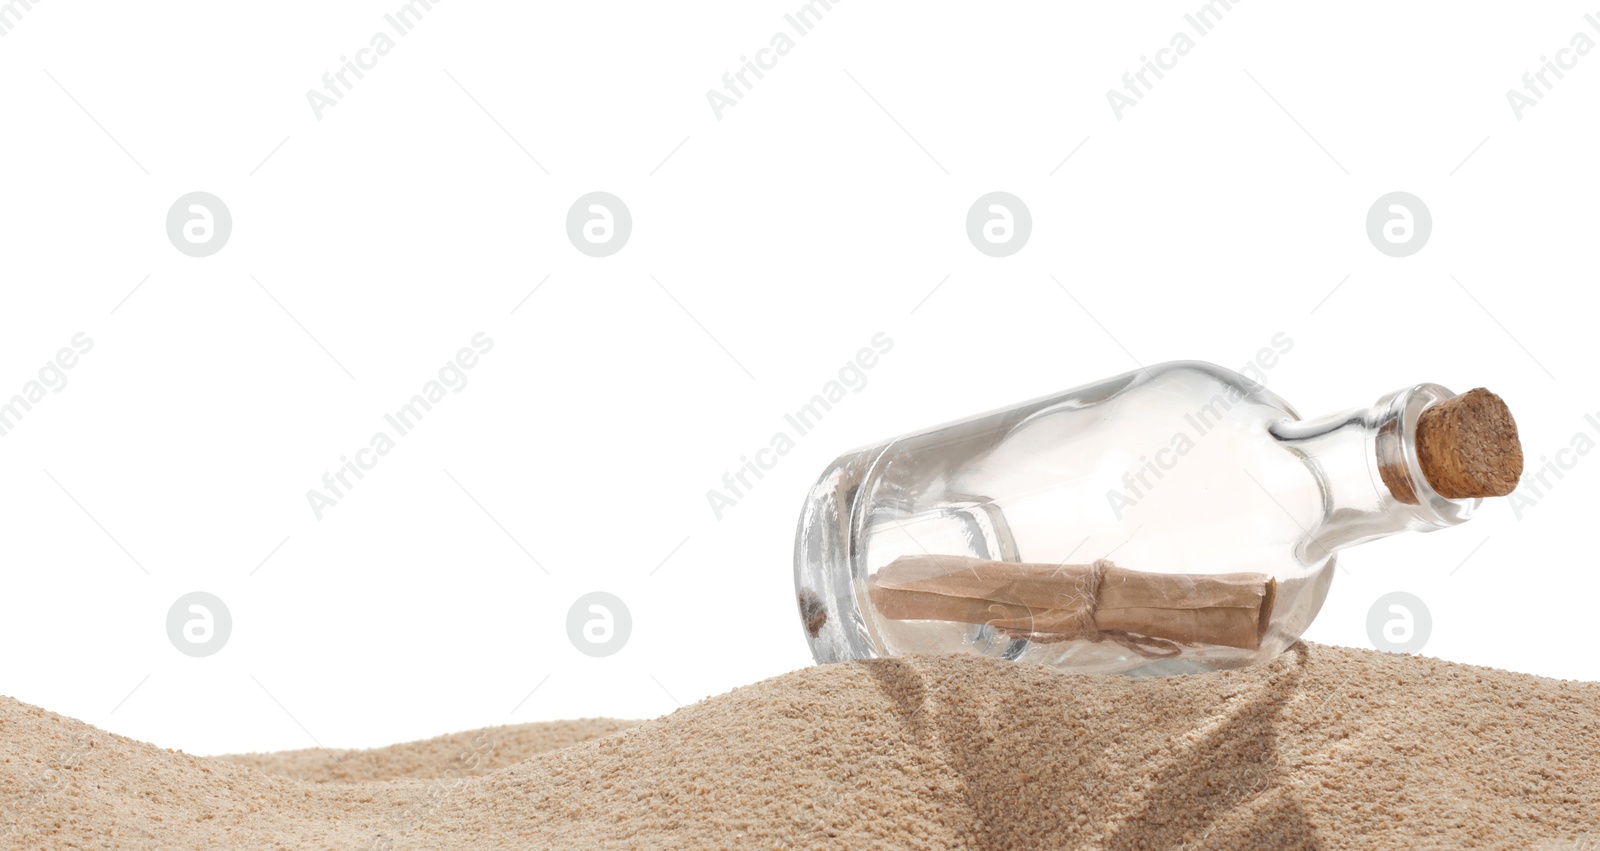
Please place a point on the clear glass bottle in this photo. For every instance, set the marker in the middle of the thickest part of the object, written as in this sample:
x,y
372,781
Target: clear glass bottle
x,y
1169,477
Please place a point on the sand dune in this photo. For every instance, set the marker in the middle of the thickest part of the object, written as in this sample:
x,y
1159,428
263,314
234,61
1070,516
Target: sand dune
x,y
470,754
1323,748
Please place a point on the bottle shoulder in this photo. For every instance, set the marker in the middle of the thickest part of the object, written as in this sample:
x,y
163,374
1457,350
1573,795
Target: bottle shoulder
x,y
1202,382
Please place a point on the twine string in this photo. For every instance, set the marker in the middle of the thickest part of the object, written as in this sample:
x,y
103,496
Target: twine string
x,y
1083,627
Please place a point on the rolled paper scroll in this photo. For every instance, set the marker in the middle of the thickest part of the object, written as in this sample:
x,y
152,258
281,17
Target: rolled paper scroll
x,y
1061,602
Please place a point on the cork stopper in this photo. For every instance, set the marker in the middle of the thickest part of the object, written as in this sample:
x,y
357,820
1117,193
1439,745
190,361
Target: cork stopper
x,y
1468,447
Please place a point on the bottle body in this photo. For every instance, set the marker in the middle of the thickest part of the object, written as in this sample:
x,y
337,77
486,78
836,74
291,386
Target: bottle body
x,y
1179,474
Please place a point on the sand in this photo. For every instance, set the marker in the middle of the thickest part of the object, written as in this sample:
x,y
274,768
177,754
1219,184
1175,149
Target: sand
x,y
1322,748
469,754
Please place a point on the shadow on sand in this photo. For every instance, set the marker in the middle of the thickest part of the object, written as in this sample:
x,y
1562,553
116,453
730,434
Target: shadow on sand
x,y
1007,748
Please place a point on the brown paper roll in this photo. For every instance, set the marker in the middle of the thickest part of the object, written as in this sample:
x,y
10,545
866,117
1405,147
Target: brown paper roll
x,y
1077,601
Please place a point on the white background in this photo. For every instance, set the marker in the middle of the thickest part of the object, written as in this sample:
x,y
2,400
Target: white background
x,y
825,207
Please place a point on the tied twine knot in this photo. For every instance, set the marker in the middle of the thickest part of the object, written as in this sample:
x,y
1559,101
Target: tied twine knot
x,y
1080,624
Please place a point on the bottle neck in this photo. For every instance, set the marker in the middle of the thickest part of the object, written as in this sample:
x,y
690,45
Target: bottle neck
x,y
1366,462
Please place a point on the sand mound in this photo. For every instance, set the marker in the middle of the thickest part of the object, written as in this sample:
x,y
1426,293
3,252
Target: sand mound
x,y
1323,748
469,754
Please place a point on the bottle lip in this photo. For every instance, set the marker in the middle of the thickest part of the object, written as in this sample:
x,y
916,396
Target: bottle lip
x,y
1398,466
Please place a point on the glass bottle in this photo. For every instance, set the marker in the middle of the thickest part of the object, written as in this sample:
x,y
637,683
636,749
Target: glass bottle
x,y
1175,519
